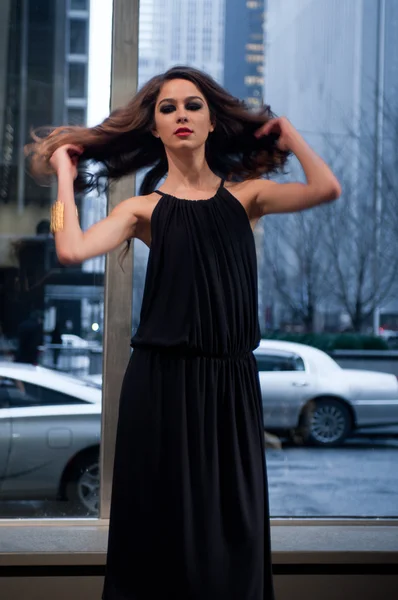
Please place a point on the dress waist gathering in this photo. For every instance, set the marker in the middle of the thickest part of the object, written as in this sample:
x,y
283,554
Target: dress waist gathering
x,y
191,352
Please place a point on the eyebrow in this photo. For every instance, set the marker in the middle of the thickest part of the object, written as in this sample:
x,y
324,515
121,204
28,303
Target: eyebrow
x,y
173,99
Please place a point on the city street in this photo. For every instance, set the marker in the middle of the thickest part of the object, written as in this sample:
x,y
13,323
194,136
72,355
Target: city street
x,y
359,479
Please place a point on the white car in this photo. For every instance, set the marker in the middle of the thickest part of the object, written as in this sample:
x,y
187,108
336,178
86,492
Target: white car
x,y
307,394
50,429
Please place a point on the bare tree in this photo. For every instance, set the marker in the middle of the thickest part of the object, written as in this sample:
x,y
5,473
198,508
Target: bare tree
x,y
362,232
345,253
363,257
295,256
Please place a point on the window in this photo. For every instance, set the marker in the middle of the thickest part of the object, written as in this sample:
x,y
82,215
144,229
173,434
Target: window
x,y
76,116
77,80
255,48
4,398
279,362
306,291
51,315
255,58
22,394
79,4
78,31
254,80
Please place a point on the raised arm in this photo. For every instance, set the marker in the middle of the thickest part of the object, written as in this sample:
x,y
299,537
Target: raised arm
x,y
322,185
72,244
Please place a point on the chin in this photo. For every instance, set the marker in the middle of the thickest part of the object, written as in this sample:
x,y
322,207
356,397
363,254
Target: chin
x,y
186,144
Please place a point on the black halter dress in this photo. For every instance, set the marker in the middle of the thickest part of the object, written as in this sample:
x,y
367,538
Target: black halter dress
x,y
189,515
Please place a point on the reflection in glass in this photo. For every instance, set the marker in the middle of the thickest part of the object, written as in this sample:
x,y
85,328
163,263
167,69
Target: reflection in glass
x,y
76,116
327,277
79,4
78,36
77,80
51,315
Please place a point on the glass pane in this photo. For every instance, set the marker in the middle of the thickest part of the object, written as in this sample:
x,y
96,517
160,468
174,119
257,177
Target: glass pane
x,y
79,4
77,80
78,36
51,315
76,116
327,277
278,363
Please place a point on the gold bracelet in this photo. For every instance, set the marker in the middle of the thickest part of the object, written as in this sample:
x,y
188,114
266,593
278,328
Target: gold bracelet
x,y
57,216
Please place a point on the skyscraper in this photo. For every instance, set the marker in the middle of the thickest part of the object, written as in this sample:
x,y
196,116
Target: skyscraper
x,y
176,32
44,72
332,69
244,50
244,60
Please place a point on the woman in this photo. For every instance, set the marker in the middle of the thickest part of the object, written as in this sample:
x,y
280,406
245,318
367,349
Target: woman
x,y
189,516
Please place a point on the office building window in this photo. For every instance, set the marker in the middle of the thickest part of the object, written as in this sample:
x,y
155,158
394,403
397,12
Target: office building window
x,y
79,4
78,33
77,80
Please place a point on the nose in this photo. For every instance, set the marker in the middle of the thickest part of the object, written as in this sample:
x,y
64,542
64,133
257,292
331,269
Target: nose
x,y
181,116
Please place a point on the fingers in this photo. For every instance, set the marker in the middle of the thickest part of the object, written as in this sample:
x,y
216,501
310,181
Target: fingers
x,y
74,149
262,131
70,149
266,128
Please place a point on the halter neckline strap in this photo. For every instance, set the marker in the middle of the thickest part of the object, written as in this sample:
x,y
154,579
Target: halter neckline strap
x,y
189,199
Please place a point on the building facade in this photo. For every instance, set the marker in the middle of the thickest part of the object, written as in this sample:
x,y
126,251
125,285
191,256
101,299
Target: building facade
x,y
244,50
332,70
44,69
181,32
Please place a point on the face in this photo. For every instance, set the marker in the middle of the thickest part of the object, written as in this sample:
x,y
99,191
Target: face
x,y
182,117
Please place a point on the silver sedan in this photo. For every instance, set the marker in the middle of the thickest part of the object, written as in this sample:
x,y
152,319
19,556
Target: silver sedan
x,y
50,429
307,394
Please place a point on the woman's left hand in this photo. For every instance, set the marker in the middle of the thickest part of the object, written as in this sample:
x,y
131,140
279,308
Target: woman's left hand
x,y
281,127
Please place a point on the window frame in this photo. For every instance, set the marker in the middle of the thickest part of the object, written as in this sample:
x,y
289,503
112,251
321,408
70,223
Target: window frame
x,y
118,310
117,307
118,320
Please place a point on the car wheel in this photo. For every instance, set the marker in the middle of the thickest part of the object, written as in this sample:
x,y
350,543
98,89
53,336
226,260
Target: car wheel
x,y
326,422
82,487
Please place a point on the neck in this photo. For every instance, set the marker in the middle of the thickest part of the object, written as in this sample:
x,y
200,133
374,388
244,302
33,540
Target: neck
x,y
189,171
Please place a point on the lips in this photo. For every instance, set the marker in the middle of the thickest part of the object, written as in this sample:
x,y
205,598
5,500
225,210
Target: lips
x,y
183,131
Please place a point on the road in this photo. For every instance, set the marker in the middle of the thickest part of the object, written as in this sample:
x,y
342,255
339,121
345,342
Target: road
x,y
359,479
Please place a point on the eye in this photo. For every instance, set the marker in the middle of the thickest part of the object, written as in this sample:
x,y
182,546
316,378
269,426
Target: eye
x,y
167,108
194,106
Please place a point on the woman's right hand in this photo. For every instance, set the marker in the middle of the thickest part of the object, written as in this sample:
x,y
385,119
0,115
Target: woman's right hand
x,y
66,158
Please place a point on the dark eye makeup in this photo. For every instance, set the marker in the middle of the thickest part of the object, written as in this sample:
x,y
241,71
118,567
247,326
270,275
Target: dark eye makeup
x,y
168,108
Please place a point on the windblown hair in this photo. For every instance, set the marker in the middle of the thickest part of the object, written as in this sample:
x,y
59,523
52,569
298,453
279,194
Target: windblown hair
x,y
123,143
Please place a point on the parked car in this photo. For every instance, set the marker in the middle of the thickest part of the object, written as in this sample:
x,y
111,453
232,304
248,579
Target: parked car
x,y
50,425
390,336
307,394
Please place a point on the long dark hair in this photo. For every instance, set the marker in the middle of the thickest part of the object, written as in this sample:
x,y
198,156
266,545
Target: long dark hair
x,y
123,143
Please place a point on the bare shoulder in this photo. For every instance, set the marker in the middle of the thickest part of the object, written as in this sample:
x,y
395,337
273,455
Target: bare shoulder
x,y
244,190
247,193
138,211
139,208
